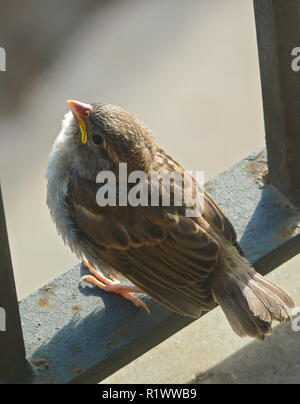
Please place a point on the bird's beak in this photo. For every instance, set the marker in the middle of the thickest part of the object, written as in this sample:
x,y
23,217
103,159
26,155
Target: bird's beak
x,y
80,111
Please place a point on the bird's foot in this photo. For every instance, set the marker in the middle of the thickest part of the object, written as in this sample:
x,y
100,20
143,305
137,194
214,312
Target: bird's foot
x,y
113,285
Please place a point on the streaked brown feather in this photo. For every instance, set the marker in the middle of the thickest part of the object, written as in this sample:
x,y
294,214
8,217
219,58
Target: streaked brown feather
x,y
165,248
179,260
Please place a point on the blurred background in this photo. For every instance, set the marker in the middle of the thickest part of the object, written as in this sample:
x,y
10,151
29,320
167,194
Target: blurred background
x,y
188,70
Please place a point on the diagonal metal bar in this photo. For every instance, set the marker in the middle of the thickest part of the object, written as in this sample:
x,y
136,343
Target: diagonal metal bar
x,y
278,34
82,335
12,350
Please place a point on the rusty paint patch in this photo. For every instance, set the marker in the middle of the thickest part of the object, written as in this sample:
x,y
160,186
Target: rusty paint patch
x,y
76,309
44,302
262,179
289,232
259,172
254,166
285,234
258,165
75,348
41,363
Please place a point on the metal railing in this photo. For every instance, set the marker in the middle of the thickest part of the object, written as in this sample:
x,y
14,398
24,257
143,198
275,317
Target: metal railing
x,y
70,338
278,34
12,349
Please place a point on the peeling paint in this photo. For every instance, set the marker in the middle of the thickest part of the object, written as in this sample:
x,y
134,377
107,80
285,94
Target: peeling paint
x,y
76,309
41,363
44,302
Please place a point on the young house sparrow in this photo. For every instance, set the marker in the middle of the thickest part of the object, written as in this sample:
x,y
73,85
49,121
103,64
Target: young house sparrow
x,y
188,264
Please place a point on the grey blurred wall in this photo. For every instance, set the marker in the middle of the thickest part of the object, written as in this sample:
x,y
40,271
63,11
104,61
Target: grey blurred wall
x,y
33,33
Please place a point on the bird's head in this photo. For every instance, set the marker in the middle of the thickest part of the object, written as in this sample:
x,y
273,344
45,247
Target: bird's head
x,y
98,137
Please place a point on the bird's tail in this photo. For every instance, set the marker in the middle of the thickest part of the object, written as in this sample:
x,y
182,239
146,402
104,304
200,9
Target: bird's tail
x,y
251,302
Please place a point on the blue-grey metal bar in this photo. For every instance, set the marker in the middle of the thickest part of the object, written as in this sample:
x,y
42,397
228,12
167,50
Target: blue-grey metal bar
x,y
12,350
81,335
278,38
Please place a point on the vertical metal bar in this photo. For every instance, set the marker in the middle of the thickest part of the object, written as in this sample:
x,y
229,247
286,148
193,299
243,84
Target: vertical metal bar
x,y
12,350
278,34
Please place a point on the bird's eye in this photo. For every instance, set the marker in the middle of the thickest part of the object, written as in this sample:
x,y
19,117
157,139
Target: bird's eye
x,y
97,140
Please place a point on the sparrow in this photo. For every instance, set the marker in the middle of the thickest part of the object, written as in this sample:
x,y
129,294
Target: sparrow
x,y
187,263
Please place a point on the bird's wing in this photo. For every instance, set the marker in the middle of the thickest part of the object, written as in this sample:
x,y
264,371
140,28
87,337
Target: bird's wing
x,y
168,255
212,213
